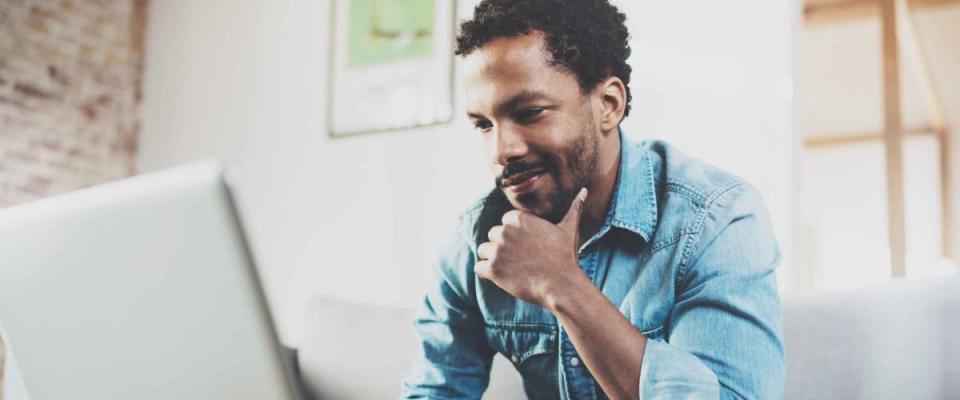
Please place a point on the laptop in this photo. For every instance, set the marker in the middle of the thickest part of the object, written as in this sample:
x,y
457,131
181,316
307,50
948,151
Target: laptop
x,y
143,288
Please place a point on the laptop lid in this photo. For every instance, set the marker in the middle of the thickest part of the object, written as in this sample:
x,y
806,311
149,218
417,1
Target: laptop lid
x,y
142,288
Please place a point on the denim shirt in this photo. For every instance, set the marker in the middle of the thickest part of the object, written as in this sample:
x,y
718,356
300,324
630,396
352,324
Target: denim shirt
x,y
686,253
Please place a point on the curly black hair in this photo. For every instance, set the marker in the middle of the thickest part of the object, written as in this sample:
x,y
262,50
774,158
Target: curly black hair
x,y
586,37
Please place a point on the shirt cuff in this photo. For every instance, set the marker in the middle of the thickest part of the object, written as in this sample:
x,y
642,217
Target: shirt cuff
x,y
670,373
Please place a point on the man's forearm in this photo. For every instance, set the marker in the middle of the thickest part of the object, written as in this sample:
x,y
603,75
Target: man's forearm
x,y
609,345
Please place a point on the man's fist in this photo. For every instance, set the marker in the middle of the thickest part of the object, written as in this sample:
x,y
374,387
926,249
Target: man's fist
x,y
530,257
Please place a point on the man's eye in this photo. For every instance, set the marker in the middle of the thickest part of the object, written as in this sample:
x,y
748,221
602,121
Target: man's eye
x,y
529,115
482,125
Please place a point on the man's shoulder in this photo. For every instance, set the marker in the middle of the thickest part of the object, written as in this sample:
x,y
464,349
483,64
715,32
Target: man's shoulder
x,y
457,251
694,197
473,210
481,215
696,181
700,201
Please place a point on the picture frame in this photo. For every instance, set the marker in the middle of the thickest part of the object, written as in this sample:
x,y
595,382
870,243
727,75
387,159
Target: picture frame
x,y
391,65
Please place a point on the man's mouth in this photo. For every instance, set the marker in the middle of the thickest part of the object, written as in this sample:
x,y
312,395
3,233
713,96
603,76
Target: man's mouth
x,y
523,181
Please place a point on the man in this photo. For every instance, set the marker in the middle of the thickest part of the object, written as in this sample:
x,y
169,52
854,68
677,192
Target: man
x,y
602,268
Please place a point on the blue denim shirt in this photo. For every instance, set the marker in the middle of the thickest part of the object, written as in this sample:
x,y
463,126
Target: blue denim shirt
x,y
686,253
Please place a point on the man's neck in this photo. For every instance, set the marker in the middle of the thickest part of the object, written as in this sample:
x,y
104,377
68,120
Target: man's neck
x,y
600,190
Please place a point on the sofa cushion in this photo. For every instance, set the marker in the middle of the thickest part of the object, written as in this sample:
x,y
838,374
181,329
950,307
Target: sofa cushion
x,y
896,341
357,351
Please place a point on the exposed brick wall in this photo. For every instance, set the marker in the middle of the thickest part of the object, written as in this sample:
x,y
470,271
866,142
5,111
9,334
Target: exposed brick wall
x,y
69,95
69,91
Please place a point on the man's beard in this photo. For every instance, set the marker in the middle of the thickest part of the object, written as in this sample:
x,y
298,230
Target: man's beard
x,y
580,159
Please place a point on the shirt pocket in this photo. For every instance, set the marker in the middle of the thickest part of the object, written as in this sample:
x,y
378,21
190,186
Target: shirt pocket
x,y
522,344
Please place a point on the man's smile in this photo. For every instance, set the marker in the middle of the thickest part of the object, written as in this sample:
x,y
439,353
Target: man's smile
x,y
523,181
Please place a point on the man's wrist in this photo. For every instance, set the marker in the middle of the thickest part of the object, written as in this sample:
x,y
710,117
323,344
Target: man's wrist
x,y
566,290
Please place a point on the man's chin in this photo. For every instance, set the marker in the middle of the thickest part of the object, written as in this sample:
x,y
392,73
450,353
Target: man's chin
x,y
528,202
533,204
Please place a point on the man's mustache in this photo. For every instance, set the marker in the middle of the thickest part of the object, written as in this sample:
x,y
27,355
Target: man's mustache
x,y
518,167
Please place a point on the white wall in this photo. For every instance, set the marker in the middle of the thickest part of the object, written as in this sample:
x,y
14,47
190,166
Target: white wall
x,y
359,218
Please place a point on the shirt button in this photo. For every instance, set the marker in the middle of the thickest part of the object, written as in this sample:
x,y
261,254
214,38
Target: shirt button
x,y
574,362
514,358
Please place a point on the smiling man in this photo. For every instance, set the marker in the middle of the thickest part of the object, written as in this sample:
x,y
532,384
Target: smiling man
x,y
601,267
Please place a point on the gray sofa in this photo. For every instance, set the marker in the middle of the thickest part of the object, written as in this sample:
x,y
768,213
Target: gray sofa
x,y
363,352
897,341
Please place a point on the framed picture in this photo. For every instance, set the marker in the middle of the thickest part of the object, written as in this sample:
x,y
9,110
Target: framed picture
x,y
391,65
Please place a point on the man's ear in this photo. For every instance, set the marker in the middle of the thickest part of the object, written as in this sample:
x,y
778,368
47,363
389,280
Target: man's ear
x,y
613,98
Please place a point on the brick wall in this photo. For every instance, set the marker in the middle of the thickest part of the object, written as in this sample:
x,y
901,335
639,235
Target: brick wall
x,y
69,90
69,94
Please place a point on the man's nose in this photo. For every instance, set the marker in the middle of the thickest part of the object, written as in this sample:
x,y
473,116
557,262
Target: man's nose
x,y
509,144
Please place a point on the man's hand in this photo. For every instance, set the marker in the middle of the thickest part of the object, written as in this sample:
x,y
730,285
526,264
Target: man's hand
x,y
531,258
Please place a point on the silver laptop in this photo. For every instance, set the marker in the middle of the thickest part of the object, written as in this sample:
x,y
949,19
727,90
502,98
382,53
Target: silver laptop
x,y
139,289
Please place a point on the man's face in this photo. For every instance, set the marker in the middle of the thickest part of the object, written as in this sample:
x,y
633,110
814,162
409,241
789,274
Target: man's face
x,y
538,127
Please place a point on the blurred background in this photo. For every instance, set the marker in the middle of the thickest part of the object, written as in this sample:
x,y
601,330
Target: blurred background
x,y
859,163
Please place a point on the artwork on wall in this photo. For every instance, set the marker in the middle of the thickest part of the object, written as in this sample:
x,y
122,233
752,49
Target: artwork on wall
x,y
391,65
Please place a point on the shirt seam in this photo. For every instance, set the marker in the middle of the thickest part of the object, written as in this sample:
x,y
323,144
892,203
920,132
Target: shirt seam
x,y
685,191
697,228
521,326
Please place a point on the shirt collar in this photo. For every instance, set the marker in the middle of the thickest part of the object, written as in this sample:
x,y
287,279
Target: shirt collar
x,y
634,205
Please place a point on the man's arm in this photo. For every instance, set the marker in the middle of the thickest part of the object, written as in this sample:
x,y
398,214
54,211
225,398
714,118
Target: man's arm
x,y
609,345
727,312
723,335
453,360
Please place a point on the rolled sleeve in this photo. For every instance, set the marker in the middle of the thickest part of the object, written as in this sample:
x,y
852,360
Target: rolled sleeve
x,y
671,373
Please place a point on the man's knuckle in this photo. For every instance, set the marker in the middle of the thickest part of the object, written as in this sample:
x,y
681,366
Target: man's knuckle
x,y
495,233
484,250
521,219
511,217
492,269
482,268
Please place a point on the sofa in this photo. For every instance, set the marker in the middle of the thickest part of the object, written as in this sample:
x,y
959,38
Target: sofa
x,y
896,341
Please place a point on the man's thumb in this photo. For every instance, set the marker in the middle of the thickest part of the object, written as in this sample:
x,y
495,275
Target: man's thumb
x,y
571,221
